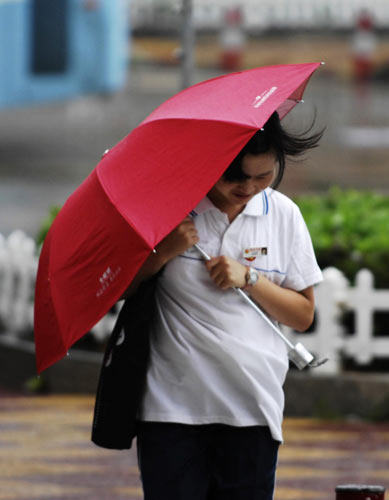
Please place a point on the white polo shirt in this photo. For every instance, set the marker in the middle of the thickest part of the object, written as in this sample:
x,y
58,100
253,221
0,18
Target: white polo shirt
x,y
213,358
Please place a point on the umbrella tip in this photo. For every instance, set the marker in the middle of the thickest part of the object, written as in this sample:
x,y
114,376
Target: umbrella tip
x,y
322,63
105,153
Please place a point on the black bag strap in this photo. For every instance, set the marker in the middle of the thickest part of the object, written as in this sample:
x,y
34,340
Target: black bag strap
x,y
123,372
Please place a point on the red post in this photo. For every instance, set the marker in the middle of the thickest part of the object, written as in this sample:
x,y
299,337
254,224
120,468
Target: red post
x,y
359,492
364,45
232,40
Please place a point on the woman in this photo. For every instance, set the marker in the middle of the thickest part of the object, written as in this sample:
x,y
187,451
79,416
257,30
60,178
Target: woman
x,y
210,421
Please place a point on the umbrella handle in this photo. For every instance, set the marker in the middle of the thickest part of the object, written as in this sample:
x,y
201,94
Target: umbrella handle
x,y
298,354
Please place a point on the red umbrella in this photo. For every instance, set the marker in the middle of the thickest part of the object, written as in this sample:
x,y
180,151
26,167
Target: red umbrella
x,y
141,189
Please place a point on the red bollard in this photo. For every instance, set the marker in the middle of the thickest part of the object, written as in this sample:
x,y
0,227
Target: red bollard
x,y
232,40
364,44
359,492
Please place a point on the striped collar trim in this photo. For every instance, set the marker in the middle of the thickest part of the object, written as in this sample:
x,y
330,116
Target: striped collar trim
x,y
259,205
256,207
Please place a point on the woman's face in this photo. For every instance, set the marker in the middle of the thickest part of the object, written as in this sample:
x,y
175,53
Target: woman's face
x,y
259,170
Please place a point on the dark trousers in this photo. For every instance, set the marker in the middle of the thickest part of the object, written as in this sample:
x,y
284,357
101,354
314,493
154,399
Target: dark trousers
x,y
206,462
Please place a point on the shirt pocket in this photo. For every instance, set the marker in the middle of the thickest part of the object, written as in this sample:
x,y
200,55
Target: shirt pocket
x,y
263,259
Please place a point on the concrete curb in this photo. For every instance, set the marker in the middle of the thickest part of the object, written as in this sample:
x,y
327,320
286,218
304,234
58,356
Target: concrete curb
x,y
351,394
307,393
76,373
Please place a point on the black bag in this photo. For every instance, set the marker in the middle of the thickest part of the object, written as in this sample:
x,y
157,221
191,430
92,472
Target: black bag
x,y
123,372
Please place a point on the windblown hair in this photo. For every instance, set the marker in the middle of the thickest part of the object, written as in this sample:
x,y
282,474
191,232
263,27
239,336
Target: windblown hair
x,y
273,138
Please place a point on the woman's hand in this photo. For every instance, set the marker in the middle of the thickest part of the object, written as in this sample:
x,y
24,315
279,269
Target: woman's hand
x,y
226,272
289,307
176,242
179,240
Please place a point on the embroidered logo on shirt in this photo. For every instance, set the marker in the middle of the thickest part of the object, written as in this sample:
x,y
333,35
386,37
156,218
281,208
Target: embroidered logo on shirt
x,y
251,254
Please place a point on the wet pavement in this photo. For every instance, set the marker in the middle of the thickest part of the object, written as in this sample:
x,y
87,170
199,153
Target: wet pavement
x,y
46,453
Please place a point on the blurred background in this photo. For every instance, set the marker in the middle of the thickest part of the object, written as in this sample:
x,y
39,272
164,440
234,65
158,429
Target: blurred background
x,y
76,76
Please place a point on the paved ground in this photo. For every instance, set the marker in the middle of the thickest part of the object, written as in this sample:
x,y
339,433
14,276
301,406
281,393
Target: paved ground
x,y
46,454
333,49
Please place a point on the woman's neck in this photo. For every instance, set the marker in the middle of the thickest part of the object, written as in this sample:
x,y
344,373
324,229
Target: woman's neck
x,y
232,211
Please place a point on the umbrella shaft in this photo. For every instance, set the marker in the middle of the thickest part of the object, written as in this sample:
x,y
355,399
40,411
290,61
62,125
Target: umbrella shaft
x,y
263,315
252,304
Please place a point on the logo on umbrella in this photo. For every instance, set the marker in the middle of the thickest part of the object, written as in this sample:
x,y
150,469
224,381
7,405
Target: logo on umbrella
x,y
106,279
261,98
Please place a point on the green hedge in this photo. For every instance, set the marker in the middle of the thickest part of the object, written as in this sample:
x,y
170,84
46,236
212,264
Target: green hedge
x,y
350,230
46,223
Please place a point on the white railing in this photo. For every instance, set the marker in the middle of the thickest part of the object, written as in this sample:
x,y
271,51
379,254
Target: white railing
x,y
18,268
334,296
18,265
260,14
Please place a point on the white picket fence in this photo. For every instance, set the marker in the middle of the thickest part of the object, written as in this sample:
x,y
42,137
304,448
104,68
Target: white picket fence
x,y
334,296
259,14
18,266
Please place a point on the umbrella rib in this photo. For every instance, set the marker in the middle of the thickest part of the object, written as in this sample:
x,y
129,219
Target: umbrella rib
x,y
110,197
254,127
198,119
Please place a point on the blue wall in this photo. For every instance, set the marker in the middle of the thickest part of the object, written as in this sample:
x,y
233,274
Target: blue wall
x,y
95,55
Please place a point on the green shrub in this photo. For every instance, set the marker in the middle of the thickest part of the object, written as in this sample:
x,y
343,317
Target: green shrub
x,y
350,230
46,223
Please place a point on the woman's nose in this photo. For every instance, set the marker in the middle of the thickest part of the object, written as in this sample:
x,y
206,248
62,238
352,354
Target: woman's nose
x,y
248,184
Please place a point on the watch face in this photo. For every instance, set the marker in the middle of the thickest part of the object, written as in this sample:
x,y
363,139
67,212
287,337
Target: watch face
x,y
252,277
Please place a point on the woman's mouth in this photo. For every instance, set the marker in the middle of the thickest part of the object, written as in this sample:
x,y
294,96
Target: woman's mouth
x,y
242,196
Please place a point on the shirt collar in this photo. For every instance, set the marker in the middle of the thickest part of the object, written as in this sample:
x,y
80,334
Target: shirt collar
x,y
203,206
256,207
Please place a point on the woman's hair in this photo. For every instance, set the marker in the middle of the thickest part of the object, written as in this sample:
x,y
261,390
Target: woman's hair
x,y
273,138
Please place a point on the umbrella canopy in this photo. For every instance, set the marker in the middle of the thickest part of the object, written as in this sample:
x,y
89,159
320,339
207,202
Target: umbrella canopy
x,y
141,189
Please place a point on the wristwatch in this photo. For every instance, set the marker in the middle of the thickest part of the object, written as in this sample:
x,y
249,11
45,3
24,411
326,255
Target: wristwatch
x,y
251,276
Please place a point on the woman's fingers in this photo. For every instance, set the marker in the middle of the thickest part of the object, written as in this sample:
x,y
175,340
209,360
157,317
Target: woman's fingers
x,y
226,272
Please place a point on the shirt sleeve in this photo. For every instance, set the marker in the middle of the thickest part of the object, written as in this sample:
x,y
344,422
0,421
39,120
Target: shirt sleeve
x,y
302,270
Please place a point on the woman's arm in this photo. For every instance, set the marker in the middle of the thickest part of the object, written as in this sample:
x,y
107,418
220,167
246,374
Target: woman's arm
x,y
180,239
291,308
